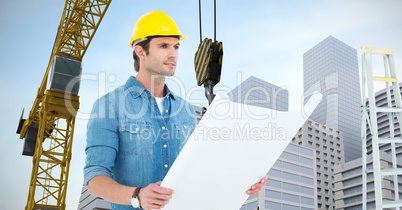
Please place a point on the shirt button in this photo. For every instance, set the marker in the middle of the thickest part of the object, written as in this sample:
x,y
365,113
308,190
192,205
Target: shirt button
x,y
163,127
166,165
166,111
164,146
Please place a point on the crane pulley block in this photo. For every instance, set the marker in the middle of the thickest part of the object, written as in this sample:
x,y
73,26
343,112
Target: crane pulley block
x,y
208,62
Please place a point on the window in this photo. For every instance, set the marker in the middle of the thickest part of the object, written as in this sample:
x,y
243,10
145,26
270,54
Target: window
x,y
289,156
306,151
278,163
273,194
290,187
290,176
274,173
290,207
306,180
306,161
272,205
307,201
291,197
306,170
252,205
306,190
274,183
290,166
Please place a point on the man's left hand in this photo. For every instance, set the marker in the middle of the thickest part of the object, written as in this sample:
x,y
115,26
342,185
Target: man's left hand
x,y
256,188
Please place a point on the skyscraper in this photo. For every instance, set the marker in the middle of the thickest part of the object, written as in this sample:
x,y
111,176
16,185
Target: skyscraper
x,y
328,146
383,123
331,68
348,183
292,182
257,92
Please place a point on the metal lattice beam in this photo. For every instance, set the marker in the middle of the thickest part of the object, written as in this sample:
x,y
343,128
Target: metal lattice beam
x,y
55,112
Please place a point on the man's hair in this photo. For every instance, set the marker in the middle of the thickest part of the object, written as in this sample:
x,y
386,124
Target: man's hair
x,y
145,45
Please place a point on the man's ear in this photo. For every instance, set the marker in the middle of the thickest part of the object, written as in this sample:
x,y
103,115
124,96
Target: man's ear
x,y
139,51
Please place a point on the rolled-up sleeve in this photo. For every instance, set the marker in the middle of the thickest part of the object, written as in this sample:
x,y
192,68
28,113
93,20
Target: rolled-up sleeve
x,y
102,140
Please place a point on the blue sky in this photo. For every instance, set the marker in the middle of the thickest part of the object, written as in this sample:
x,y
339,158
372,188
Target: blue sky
x,y
262,38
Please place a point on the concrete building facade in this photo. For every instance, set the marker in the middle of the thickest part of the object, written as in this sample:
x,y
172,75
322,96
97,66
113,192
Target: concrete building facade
x,y
328,146
331,67
383,122
291,184
348,184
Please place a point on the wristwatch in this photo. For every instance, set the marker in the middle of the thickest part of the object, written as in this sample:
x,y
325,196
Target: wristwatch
x,y
135,201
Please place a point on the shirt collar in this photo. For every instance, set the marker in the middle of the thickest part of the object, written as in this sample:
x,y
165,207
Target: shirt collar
x,y
136,88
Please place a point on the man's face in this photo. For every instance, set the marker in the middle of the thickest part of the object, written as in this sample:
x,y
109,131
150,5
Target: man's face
x,y
162,57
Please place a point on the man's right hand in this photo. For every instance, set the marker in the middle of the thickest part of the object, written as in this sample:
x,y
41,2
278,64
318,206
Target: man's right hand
x,y
154,196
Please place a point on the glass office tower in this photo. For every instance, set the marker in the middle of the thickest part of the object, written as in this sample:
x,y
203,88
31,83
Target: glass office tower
x,y
331,67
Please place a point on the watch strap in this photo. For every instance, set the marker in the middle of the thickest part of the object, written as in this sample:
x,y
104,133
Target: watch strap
x,y
136,192
135,195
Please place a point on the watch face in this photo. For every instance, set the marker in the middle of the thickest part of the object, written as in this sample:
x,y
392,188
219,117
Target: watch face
x,y
135,202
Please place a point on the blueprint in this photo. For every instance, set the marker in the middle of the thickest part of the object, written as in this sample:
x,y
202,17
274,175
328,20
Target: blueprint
x,y
231,148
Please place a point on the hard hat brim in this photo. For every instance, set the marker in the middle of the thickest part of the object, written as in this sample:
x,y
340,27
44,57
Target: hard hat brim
x,y
135,42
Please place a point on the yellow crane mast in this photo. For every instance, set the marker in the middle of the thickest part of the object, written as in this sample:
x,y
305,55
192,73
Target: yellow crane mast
x,y
48,130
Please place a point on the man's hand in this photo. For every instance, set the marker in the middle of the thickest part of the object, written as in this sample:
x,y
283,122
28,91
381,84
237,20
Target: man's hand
x,y
154,196
256,188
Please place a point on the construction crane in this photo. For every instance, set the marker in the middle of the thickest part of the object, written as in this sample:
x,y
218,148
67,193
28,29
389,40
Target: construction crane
x,y
48,130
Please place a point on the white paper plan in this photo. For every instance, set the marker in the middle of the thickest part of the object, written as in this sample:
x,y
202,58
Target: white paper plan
x,y
231,148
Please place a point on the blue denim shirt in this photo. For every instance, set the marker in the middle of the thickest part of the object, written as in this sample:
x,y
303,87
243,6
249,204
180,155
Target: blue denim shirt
x,y
131,141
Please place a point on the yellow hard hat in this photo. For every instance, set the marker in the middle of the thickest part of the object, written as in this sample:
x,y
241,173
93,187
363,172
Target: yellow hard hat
x,y
155,23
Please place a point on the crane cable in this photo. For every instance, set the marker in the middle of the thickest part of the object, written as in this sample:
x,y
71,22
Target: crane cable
x,y
199,15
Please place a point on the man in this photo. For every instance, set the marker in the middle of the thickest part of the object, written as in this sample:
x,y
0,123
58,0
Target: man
x,y
136,131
